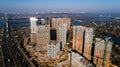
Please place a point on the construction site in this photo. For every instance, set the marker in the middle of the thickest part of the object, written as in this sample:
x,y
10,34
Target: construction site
x,y
79,49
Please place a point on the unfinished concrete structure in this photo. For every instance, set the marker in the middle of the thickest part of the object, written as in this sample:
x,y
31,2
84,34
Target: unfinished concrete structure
x,y
88,43
99,55
78,61
56,21
53,49
78,38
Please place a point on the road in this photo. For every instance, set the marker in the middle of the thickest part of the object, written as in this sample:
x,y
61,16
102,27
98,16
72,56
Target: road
x,y
12,55
7,56
20,54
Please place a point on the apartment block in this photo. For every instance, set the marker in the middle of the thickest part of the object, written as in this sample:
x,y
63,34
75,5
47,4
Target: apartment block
x,y
33,29
53,48
78,38
56,21
99,52
88,43
33,25
61,33
43,37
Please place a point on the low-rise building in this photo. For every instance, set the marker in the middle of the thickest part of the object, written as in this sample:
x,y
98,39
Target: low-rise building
x,y
76,60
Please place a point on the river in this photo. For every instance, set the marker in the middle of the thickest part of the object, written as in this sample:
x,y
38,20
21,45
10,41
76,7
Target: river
x,y
115,39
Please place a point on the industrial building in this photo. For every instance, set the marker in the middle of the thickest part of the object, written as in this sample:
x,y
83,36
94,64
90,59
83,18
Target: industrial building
x,y
100,57
53,48
56,21
88,43
78,38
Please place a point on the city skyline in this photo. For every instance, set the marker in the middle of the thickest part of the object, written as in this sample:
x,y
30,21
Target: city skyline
x,y
107,6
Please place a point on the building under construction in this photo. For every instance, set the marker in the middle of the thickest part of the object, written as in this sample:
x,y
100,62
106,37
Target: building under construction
x,y
33,29
78,38
61,34
56,21
100,58
88,43
43,37
40,34
82,40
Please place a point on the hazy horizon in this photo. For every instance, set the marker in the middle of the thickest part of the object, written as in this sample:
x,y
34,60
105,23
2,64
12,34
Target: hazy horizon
x,y
104,6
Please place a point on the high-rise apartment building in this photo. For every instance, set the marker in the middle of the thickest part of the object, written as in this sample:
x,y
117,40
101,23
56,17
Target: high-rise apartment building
x,y
43,21
56,21
33,29
99,55
61,33
88,43
43,37
40,34
82,40
33,24
78,38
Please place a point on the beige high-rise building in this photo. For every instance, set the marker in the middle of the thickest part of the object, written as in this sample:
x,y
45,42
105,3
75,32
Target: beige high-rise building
x,y
43,37
40,34
78,37
56,21
88,43
99,51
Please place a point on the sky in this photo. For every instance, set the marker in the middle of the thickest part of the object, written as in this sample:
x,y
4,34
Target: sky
x,y
61,5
